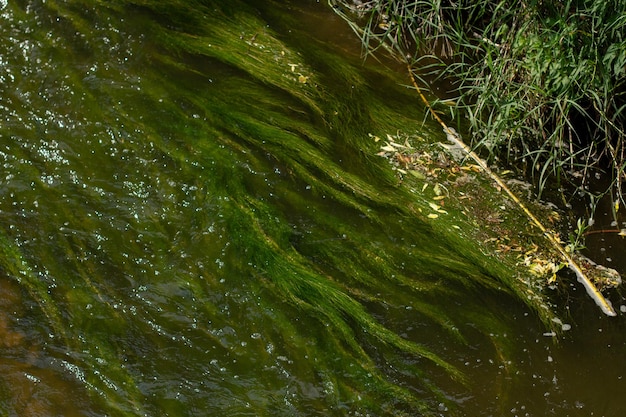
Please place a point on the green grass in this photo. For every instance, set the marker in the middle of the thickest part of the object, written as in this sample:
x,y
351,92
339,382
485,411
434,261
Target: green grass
x,y
543,83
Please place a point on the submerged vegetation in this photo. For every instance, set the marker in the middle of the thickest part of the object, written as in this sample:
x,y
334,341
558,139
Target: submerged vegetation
x,y
543,82
193,205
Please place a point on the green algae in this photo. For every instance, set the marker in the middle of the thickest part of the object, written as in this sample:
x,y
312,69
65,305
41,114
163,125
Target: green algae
x,y
236,233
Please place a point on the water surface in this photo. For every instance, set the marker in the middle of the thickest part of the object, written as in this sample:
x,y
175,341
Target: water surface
x,y
194,222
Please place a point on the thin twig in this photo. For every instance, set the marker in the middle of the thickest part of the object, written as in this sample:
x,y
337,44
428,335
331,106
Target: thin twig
x,y
454,137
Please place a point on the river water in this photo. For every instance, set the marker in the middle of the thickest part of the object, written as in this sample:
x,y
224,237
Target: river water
x,y
193,222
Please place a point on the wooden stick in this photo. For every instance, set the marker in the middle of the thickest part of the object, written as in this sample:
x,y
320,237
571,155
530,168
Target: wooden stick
x,y
455,138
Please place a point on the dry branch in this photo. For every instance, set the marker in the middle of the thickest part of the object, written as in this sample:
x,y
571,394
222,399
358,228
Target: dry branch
x,y
455,138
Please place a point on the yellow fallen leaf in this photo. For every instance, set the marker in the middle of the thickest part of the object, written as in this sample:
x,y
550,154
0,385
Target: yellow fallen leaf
x,y
433,216
434,206
303,79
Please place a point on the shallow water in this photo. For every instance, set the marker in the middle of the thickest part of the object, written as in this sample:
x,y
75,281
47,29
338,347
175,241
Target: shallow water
x,y
198,227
